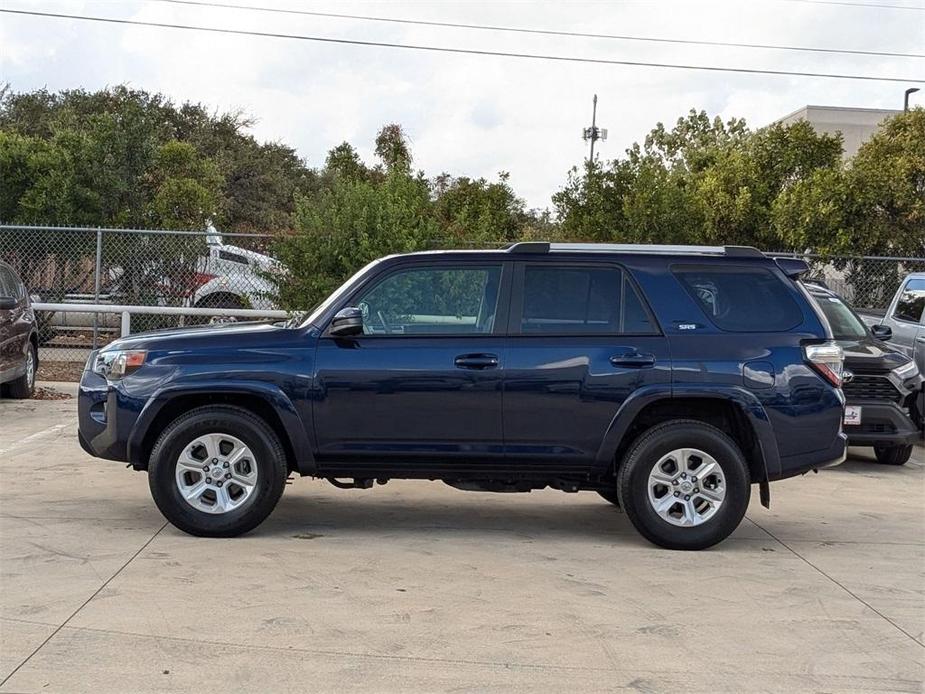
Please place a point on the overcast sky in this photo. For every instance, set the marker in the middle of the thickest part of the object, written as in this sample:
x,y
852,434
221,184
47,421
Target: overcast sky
x,y
470,115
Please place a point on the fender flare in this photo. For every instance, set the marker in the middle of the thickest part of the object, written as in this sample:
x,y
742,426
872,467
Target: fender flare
x,y
293,426
746,401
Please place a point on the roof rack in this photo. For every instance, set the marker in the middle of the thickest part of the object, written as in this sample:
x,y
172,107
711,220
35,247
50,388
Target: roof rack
x,y
657,249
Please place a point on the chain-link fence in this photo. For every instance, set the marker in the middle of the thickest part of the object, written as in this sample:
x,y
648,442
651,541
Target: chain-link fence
x,y
132,267
229,272
866,282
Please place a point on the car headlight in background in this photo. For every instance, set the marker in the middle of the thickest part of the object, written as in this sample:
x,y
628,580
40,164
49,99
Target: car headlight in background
x,y
117,363
907,370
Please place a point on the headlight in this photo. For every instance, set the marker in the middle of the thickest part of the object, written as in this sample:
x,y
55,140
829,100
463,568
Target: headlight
x,y
117,363
907,370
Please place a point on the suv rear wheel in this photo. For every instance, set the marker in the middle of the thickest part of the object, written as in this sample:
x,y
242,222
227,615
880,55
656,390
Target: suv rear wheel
x,y
217,471
684,485
893,455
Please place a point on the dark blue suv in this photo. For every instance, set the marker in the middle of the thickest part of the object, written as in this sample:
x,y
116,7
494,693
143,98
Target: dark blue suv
x,y
666,379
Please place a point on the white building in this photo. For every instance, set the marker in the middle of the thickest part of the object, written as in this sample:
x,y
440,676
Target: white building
x,y
855,124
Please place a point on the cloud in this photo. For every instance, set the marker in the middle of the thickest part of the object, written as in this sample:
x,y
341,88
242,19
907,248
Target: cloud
x,y
467,115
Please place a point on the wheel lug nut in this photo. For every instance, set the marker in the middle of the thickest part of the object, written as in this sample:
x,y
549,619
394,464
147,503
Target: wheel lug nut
x,y
218,484
674,482
694,478
677,493
214,460
696,490
225,464
684,475
205,468
208,480
227,475
687,497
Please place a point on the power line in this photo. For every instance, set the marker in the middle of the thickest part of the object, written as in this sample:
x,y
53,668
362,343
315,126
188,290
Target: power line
x,y
543,32
914,8
465,51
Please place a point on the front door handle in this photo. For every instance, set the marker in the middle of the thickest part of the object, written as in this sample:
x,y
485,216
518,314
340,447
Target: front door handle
x,y
633,360
476,361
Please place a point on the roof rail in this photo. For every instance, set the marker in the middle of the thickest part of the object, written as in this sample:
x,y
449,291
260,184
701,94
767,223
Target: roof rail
x,y
529,247
544,247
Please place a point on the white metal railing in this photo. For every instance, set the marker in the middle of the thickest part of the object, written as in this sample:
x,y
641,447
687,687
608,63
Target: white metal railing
x,y
127,311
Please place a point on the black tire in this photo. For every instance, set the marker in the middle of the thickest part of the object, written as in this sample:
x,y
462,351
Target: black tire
x,y
610,495
893,455
24,386
223,419
633,475
219,300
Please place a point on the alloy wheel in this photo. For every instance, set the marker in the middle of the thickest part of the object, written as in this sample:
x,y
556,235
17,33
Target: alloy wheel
x,y
216,473
30,368
686,487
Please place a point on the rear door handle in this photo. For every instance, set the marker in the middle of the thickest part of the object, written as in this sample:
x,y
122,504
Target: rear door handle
x,y
476,361
633,360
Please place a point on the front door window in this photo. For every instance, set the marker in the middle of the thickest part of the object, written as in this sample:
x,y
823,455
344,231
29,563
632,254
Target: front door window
x,y
432,301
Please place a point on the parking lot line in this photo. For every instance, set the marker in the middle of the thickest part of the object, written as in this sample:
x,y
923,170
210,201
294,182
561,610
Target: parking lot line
x,y
837,583
33,437
83,604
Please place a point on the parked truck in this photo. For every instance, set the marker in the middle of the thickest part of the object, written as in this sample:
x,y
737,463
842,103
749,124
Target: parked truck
x,y
903,325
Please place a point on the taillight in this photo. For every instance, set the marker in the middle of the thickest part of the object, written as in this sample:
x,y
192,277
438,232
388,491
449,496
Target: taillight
x,y
201,278
828,361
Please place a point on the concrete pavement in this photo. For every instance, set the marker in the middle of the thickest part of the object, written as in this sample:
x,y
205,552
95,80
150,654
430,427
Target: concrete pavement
x,y
416,586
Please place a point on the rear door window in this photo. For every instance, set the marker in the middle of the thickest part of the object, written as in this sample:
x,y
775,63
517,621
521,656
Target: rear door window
x,y
574,300
741,299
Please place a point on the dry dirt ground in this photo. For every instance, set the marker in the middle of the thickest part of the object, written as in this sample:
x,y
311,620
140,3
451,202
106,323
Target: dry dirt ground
x,y
417,587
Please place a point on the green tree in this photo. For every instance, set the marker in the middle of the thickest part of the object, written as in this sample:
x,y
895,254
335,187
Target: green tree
x,y
111,138
704,181
475,211
393,148
875,204
343,227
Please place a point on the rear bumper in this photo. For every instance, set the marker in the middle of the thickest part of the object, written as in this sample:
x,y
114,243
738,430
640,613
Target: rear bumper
x,y
882,424
817,460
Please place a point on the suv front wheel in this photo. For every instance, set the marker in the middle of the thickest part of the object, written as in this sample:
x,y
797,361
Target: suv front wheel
x,y
217,471
684,484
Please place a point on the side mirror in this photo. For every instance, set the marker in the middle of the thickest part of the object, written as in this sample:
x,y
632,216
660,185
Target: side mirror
x,y
8,303
348,321
881,332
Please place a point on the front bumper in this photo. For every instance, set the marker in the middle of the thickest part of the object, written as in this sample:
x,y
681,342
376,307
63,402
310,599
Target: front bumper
x,y
102,429
882,424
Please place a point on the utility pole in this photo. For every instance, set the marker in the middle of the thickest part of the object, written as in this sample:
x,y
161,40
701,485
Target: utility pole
x,y
594,133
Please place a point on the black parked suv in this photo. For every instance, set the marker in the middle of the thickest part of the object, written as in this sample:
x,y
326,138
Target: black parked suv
x,y
667,379
881,383
19,354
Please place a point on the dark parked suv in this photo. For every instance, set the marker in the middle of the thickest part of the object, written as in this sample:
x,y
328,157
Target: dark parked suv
x,y
667,379
19,339
882,390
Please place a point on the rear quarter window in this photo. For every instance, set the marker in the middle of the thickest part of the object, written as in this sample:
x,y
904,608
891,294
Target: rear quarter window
x,y
741,299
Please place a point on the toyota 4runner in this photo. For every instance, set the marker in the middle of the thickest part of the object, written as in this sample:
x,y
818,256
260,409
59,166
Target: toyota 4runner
x,y
669,380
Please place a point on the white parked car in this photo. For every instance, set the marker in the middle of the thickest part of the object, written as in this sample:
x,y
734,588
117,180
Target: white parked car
x,y
226,276
234,277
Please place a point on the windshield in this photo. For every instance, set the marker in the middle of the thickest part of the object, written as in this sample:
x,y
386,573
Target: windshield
x,y
846,325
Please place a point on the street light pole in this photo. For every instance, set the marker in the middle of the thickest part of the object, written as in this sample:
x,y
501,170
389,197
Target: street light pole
x,y
910,90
